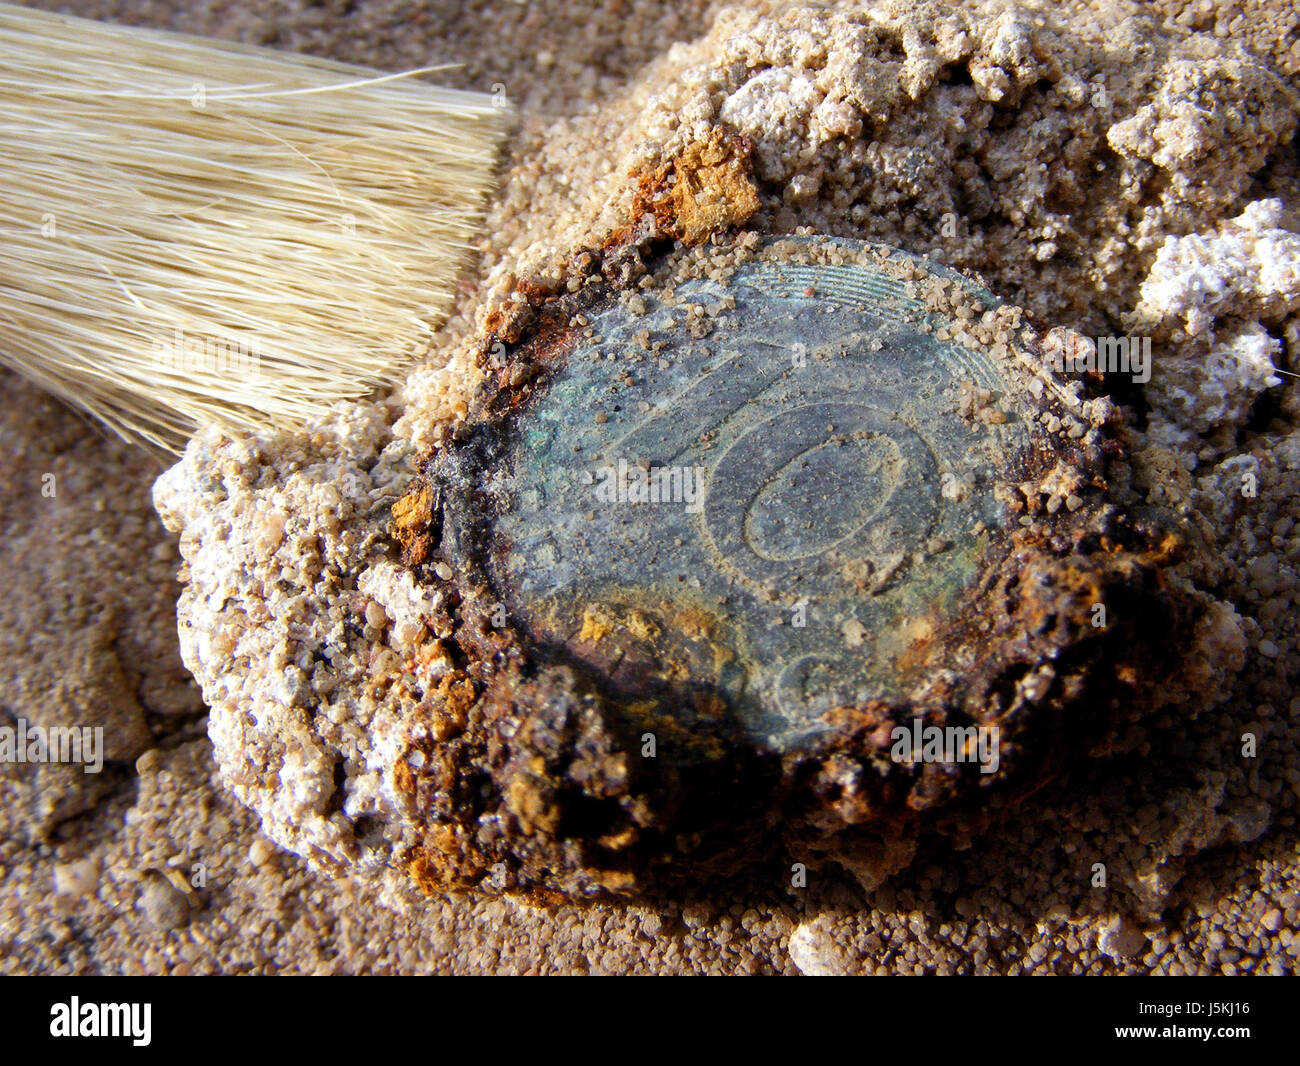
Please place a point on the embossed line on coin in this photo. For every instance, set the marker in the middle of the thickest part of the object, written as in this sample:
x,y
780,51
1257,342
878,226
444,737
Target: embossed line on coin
x,y
887,296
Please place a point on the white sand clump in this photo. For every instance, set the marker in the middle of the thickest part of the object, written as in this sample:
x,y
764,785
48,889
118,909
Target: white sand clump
x,y
290,602
1213,302
1249,266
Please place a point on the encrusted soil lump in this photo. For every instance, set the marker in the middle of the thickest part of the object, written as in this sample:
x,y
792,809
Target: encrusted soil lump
x,y
1097,167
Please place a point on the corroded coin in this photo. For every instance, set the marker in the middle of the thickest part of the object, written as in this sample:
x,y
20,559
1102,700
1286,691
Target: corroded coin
x,y
775,508
735,541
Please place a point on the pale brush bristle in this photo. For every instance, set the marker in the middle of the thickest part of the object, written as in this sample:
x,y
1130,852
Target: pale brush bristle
x,y
196,232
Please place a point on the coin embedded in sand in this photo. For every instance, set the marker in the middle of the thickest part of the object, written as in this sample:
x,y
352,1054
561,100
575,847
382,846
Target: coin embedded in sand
x,y
781,544
754,511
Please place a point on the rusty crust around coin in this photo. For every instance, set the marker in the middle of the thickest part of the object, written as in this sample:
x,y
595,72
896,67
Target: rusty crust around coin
x,y
720,543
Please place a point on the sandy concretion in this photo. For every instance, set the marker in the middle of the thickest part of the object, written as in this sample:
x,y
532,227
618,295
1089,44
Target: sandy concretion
x,y
1109,168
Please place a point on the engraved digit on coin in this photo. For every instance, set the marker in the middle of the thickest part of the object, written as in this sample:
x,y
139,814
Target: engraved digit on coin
x,y
802,494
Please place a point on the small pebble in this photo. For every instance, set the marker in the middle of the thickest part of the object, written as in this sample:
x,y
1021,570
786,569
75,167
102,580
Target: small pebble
x,y
164,904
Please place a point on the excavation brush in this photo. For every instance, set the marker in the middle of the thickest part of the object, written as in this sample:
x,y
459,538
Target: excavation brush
x,y
197,232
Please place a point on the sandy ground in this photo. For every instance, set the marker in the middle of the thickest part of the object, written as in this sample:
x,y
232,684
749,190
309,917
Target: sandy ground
x,y
156,868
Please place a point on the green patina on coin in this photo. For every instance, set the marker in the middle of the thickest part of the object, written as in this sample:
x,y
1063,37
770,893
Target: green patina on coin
x,y
775,508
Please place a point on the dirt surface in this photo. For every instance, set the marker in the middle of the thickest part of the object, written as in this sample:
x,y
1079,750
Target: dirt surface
x,y
1106,169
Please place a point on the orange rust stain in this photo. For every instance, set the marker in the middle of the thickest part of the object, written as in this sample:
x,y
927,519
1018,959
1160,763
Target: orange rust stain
x,y
712,190
412,516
